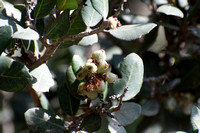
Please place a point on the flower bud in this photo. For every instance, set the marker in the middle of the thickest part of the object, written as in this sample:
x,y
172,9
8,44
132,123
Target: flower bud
x,y
102,67
82,74
101,88
91,67
111,77
99,55
80,89
92,95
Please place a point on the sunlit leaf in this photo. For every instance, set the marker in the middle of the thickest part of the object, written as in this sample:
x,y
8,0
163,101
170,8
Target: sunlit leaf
x,y
14,76
43,8
5,35
195,118
77,62
44,78
132,70
115,127
89,40
131,32
26,34
90,16
170,10
101,6
40,120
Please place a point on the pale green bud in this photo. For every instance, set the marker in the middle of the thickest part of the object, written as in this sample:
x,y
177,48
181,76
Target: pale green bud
x,y
111,77
91,67
80,89
89,61
102,67
102,86
99,55
82,74
92,95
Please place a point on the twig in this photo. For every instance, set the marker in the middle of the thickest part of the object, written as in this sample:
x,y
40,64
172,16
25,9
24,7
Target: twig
x,y
121,8
50,50
120,102
35,96
75,13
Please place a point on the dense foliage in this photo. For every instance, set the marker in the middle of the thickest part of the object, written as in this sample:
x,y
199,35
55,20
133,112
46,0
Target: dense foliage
x,y
100,66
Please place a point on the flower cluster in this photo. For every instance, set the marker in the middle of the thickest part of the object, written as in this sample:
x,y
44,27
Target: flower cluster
x,y
94,75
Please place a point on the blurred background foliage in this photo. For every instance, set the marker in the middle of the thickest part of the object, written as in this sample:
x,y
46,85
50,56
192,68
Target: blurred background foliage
x,y
171,56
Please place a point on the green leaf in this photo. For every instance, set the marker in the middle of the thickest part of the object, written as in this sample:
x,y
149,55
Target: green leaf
x,y
131,32
43,8
91,123
66,4
14,76
45,103
72,83
77,62
5,35
89,40
101,6
26,34
170,10
60,26
115,127
195,118
68,103
7,21
194,11
90,16
132,71
128,113
77,25
150,108
44,78
40,120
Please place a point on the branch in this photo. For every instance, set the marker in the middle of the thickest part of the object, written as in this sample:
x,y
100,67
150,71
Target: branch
x,y
121,8
50,49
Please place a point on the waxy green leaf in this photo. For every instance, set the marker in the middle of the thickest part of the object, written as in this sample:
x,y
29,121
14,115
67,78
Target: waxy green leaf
x,y
68,103
26,34
128,113
90,16
195,118
132,71
101,6
14,76
40,120
60,26
66,4
131,32
170,10
44,78
5,35
91,123
43,8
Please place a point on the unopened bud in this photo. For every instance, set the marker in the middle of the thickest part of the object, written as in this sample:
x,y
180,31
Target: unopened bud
x,y
111,77
91,67
102,86
82,74
102,67
92,95
99,55
80,88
